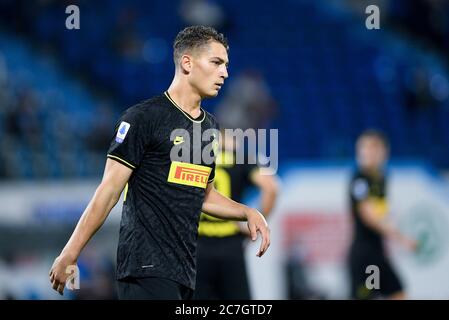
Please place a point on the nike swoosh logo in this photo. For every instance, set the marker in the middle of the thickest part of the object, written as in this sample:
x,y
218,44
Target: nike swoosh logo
x,y
178,140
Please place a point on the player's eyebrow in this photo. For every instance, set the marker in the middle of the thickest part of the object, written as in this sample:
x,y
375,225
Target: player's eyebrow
x,y
221,60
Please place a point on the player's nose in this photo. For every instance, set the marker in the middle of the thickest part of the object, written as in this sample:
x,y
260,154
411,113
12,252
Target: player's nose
x,y
224,73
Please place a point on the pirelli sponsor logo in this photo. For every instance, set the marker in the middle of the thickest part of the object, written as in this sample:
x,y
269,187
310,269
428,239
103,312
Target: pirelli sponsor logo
x,y
189,174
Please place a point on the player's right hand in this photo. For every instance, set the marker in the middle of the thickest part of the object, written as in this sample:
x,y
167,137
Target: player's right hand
x,y
408,243
59,272
257,223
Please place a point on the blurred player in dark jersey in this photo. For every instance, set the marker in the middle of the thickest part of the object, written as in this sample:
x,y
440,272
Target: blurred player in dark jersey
x,y
369,205
165,191
221,262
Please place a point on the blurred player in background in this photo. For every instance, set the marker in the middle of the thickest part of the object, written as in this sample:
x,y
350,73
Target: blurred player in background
x,y
221,257
370,210
156,257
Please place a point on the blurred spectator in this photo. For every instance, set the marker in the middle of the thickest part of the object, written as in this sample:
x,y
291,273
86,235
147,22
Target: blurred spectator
x,y
202,12
99,137
24,118
423,87
124,38
426,19
417,93
247,103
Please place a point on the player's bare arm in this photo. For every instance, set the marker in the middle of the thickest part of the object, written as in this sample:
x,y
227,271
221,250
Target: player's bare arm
x,y
105,198
383,226
219,206
268,186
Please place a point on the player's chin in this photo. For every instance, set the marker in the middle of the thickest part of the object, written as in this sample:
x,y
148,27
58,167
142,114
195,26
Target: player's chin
x,y
212,93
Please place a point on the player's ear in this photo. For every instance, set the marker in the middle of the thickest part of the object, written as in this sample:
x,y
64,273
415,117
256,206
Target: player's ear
x,y
186,63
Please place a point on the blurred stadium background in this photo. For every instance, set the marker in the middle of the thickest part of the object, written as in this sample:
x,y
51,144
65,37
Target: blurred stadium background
x,y
309,68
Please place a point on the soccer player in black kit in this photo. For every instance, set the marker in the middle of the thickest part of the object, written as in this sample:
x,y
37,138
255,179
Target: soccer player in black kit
x,y
369,206
165,191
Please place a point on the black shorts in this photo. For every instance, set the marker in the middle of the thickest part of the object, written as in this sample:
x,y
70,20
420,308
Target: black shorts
x,y
221,269
362,257
152,288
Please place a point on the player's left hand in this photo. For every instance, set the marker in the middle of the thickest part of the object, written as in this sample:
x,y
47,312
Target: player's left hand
x,y
257,223
58,273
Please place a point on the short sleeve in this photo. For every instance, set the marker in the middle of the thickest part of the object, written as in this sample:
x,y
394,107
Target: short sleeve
x,y
359,189
130,140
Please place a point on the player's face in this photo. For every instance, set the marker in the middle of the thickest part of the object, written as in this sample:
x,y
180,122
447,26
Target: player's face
x,y
209,69
371,153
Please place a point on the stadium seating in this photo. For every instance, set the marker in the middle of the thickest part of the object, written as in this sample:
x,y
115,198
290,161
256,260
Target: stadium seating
x,y
330,76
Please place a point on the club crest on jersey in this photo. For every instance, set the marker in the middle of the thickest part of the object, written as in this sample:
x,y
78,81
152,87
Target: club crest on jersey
x,y
122,131
189,174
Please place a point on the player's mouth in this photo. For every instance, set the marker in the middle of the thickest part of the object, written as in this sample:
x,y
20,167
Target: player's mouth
x,y
219,85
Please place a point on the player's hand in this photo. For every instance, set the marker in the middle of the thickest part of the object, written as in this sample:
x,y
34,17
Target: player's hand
x,y
408,243
257,223
59,272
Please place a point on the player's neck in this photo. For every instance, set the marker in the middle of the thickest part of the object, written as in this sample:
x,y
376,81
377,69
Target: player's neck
x,y
185,98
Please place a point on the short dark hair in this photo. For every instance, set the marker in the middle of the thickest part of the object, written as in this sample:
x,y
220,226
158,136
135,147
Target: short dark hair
x,y
377,134
194,37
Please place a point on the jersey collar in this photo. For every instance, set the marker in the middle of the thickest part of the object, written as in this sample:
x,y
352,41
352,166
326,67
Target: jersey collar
x,y
197,120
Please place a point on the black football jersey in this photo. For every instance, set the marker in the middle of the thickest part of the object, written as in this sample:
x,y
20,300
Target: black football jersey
x,y
165,148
